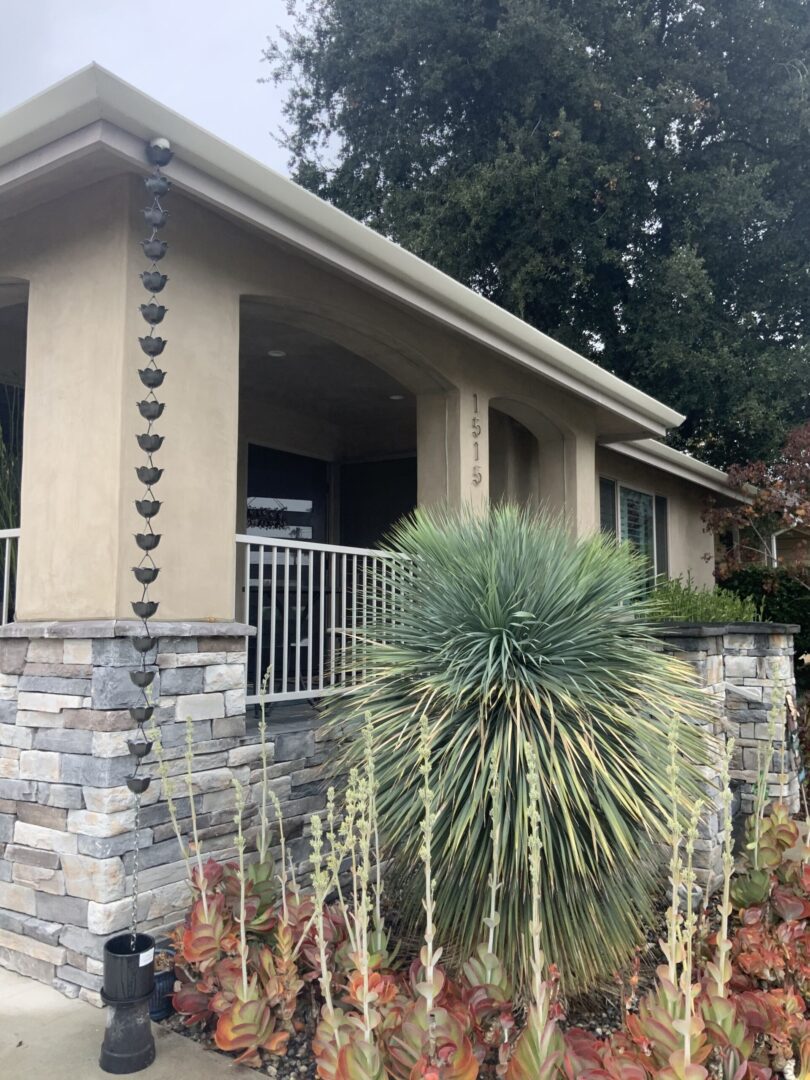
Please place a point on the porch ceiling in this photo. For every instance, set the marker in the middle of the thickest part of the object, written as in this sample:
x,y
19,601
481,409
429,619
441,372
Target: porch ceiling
x,y
371,413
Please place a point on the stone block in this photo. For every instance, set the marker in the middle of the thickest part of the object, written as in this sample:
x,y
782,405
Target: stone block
x,y
54,685
740,667
58,671
6,828
32,719
185,680
64,740
109,918
95,772
18,790
29,701
12,655
168,851
234,702
21,738
294,744
36,836
250,754
66,796
174,735
64,910
40,878
27,965
39,765
112,688
107,847
200,707
46,651
93,879
112,743
32,856
227,726
225,677
76,975
97,719
92,824
108,800
49,817
18,898
67,989
744,693
83,942
9,768
210,780
200,659
78,651
114,652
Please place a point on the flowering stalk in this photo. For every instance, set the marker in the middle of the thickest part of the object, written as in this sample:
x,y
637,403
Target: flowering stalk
x,y
429,957
263,829
723,964
320,888
689,933
673,772
197,848
371,778
240,847
494,876
535,849
282,877
153,734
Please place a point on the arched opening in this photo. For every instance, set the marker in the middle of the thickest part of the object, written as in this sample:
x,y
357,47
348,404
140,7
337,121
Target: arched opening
x,y
526,456
327,465
514,461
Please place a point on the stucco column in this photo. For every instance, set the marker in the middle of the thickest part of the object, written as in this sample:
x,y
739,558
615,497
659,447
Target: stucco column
x,y
82,259
453,449
580,483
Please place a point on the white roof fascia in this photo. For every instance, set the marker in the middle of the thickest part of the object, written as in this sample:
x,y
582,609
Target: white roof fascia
x,y
241,186
660,456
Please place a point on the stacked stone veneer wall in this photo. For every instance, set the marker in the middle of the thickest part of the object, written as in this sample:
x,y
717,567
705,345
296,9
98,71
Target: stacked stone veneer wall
x,y
746,668
66,817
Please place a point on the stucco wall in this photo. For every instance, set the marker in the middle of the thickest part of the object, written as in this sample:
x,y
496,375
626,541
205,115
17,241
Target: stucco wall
x,y
691,549
82,257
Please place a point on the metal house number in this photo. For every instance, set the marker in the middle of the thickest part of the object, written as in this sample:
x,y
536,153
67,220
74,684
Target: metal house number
x,y
476,434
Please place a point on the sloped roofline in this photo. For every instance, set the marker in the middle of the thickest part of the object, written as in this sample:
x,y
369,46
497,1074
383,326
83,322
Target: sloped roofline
x,y
111,110
95,94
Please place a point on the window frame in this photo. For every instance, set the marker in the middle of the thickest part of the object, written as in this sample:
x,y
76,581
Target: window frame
x,y
618,487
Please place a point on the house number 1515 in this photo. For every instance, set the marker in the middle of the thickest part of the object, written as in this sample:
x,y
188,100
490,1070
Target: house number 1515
x,y
476,434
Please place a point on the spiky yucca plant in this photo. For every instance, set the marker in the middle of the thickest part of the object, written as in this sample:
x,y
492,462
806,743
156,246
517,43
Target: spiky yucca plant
x,y
512,638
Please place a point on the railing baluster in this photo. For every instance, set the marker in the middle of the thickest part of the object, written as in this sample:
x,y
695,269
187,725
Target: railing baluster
x,y
6,579
273,615
285,629
259,617
322,632
333,603
344,604
298,559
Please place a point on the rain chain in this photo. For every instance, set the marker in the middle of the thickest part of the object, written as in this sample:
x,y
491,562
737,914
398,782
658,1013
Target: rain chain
x,y
146,572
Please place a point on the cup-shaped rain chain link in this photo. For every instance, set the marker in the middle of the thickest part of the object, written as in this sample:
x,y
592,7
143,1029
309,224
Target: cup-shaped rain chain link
x,y
129,958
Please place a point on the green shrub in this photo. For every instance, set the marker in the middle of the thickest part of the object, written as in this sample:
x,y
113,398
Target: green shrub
x,y
513,638
684,602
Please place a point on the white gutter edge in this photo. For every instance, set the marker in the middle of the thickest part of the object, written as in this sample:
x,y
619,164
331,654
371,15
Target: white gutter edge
x,y
94,93
661,456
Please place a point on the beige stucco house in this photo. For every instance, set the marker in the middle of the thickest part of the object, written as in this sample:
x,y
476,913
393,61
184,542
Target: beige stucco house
x,y
322,381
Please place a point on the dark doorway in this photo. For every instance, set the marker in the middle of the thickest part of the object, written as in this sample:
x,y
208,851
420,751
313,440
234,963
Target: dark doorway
x,y
287,495
373,496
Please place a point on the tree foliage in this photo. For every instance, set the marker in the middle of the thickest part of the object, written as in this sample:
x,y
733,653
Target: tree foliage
x,y
778,501
630,176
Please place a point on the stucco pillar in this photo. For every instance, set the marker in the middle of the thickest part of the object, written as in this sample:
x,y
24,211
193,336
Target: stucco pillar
x,y
83,260
453,449
580,483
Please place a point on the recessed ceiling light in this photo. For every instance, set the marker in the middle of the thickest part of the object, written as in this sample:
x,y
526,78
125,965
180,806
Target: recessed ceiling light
x,y
276,353
396,397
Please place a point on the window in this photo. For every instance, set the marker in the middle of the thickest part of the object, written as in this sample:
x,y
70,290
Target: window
x,y
637,517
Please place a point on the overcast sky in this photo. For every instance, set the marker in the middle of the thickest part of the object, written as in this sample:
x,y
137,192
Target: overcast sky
x,y
199,57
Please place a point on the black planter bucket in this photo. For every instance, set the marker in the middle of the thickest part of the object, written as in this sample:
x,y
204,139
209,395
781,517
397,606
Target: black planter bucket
x,y
129,980
160,1005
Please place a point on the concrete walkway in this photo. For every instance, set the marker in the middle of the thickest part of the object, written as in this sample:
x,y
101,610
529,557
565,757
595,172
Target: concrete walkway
x,y
45,1036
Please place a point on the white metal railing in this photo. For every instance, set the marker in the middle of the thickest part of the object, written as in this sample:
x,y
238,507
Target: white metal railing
x,y
308,602
8,546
